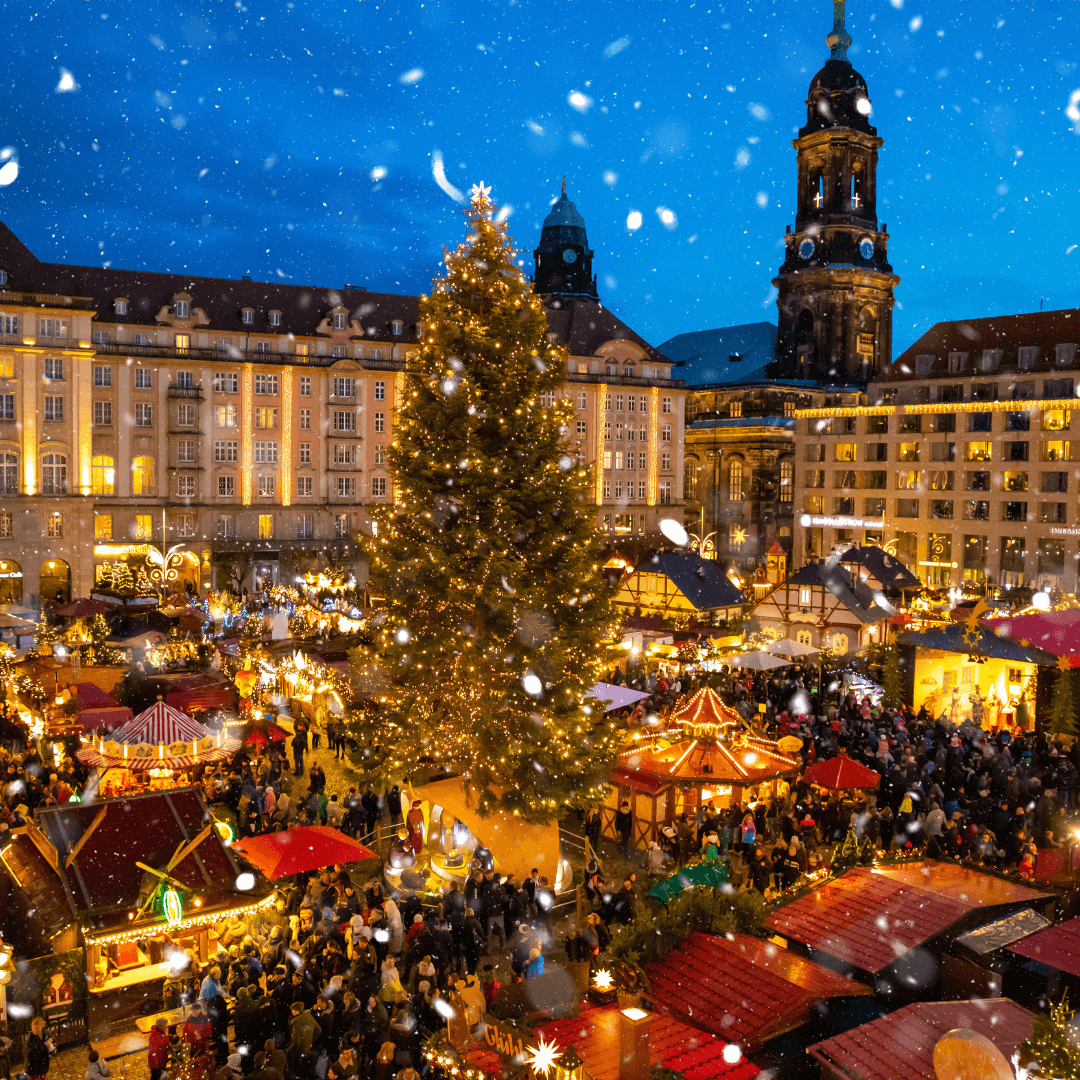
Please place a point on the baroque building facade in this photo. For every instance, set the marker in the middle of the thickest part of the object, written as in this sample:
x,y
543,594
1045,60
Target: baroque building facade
x,y
238,429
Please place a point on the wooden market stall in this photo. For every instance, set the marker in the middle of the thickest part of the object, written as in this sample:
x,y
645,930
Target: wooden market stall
x,y
706,753
124,884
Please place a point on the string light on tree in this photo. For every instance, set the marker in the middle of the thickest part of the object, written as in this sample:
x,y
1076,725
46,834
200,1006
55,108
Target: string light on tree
x,y
498,616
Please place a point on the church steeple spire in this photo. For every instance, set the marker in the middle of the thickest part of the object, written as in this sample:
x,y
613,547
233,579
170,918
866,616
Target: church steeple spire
x,y
839,39
563,259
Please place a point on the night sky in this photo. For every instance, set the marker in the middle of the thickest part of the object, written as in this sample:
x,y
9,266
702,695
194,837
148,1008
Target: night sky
x,y
297,141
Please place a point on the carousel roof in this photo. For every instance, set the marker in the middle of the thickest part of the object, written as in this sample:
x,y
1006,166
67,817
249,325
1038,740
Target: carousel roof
x,y
743,760
706,709
160,737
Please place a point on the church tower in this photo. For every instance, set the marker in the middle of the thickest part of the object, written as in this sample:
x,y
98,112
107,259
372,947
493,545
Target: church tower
x,y
564,259
836,285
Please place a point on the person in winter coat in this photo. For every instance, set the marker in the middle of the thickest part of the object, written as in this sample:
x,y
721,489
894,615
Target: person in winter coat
x,y
37,1052
535,967
157,1054
303,1027
96,1069
198,1033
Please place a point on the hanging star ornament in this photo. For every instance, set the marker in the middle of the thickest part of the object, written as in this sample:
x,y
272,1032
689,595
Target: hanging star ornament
x,y
480,191
740,537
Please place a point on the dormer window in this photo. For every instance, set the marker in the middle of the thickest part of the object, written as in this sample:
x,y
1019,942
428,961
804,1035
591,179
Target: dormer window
x,y
396,327
3,277
182,309
1065,355
247,316
339,320
1026,356
420,330
120,306
275,318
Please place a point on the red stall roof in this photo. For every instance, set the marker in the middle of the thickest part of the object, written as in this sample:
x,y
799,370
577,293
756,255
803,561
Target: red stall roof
x,y
594,1035
900,1046
743,989
144,828
868,918
1056,946
841,773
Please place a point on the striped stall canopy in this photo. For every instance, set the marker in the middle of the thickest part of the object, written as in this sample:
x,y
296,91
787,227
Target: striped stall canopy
x,y
159,738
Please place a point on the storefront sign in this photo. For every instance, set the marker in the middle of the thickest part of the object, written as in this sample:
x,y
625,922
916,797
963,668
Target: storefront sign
x,y
931,562
1065,532
816,520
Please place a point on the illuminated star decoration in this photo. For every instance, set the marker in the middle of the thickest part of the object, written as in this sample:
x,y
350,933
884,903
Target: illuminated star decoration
x,y
480,190
1064,663
739,537
972,630
543,1056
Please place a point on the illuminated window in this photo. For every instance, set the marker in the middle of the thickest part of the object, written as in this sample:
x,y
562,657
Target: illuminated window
x,y
787,475
183,343
54,524
52,328
103,526
185,487
226,487
734,409
266,526
735,481
142,476
266,486
266,418
144,527
846,451
54,474
103,475
907,480
1056,420
979,451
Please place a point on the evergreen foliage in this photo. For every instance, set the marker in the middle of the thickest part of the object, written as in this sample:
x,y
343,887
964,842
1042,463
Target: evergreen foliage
x,y
1054,1044
497,614
1063,704
892,678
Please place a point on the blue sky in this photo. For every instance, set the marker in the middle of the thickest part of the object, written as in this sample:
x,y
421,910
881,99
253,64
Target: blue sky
x,y
296,140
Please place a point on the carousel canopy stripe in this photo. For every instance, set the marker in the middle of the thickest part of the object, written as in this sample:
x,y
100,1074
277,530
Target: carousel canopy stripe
x,y
90,756
616,697
162,723
705,707
706,762
296,850
842,774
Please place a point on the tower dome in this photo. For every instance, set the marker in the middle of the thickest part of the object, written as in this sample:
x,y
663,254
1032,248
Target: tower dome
x,y
563,260
838,97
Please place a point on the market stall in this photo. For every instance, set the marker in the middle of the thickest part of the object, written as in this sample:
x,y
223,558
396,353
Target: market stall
x,y
132,882
299,849
154,750
99,712
841,773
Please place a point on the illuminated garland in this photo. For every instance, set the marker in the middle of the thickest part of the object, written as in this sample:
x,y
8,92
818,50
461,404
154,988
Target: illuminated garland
x,y
207,918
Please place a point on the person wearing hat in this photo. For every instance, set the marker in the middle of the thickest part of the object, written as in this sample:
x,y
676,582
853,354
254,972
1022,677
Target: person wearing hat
x,y
535,967
157,1052
520,948
624,824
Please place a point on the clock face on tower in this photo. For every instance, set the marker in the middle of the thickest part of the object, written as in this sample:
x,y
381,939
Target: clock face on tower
x,y
569,255
806,249
866,247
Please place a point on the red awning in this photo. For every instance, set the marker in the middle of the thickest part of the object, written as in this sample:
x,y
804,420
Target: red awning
x,y
305,847
842,774
104,719
214,695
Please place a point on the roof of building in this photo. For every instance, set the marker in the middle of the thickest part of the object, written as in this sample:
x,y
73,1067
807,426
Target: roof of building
x,y
885,569
564,213
977,641
742,989
868,918
594,1035
582,325
857,595
1057,632
1056,946
724,356
1044,330
702,581
900,1045
103,876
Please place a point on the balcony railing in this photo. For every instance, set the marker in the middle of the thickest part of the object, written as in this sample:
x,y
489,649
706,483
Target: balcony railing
x,y
190,392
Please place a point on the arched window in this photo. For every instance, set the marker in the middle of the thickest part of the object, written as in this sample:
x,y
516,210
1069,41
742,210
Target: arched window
x,y
54,474
804,637
9,474
735,477
142,476
787,475
840,644
103,475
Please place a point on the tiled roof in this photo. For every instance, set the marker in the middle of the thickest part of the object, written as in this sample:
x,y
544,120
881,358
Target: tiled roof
x,y
584,325
744,990
1009,333
702,581
957,637
900,1046
866,920
1056,946
886,568
594,1035
970,887
724,356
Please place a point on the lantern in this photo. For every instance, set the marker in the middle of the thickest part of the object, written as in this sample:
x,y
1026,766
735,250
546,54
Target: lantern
x,y
246,679
570,1066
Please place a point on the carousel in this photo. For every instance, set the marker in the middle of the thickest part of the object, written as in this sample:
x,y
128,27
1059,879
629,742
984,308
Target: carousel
x,y
707,753
154,752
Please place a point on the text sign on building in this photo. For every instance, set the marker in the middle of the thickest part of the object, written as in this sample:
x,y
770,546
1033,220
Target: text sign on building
x,y
815,520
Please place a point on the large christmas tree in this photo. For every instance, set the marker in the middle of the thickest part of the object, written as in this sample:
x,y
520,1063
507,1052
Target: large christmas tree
x,y
497,617
1063,705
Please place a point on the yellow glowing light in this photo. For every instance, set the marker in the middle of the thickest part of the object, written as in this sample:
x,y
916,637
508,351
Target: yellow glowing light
x,y
246,390
603,980
286,436
543,1057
